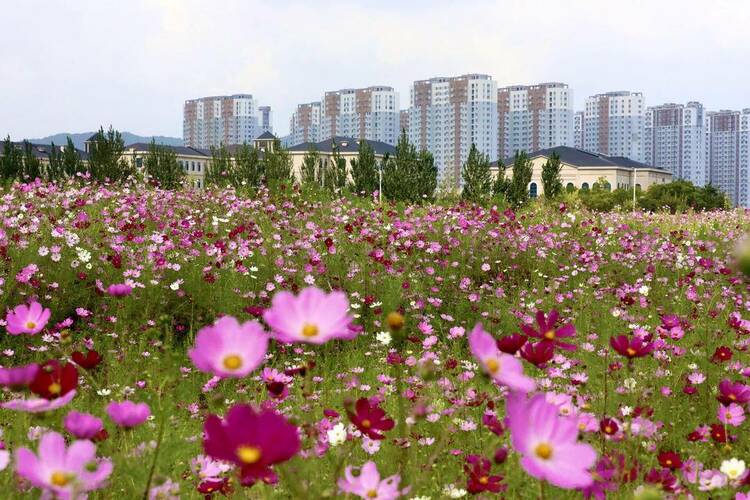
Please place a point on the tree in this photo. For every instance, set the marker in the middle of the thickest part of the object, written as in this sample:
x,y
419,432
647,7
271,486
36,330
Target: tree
x,y
278,165
248,167
477,178
71,162
106,163
501,184
551,181
518,191
219,171
309,173
162,166
55,170
408,175
427,176
339,175
32,166
365,170
11,167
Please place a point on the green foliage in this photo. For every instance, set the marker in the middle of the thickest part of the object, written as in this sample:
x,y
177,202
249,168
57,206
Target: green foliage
x,y
32,166
219,170
309,172
501,184
55,170
337,175
364,170
11,165
71,162
681,195
162,166
517,193
248,169
477,178
551,181
278,165
409,176
106,163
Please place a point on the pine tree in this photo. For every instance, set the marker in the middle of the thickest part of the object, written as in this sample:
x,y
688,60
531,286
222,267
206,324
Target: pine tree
x,y
551,181
162,166
55,171
278,166
518,192
248,167
32,166
106,163
71,162
401,172
477,178
309,174
219,170
427,175
364,169
12,161
501,184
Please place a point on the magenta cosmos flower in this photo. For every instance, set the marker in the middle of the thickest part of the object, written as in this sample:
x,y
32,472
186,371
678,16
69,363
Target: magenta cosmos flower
x,y
128,414
368,484
29,319
18,377
228,348
39,405
549,442
503,368
251,440
82,425
64,472
547,332
313,316
119,290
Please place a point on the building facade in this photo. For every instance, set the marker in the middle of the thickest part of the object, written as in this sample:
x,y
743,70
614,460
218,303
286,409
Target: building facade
x,y
728,153
345,147
534,117
675,140
448,114
236,119
404,122
370,113
614,124
304,125
578,130
194,161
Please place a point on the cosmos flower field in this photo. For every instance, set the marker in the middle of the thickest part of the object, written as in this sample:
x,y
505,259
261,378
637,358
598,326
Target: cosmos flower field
x,y
209,344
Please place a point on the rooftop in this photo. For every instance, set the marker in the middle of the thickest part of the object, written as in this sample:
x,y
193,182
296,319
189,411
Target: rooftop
x,y
582,158
344,145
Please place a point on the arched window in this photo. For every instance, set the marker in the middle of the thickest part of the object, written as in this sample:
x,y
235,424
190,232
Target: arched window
x,y
637,187
532,190
585,186
607,186
570,187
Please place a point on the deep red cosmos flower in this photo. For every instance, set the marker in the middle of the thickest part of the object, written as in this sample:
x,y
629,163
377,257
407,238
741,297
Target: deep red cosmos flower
x,y
215,485
722,353
370,419
88,361
663,477
609,426
631,347
510,344
547,332
733,392
670,460
479,477
718,433
254,441
538,353
54,380
493,423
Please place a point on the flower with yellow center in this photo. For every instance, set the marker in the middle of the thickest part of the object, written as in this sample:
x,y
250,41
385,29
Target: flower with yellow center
x,y
484,480
54,388
492,364
248,454
60,478
395,321
543,450
733,468
30,325
309,330
366,424
630,351
549,335
372,494
232,362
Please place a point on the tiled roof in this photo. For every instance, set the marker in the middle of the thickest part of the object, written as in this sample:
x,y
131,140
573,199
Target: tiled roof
x,y
344,145
581,158
178,150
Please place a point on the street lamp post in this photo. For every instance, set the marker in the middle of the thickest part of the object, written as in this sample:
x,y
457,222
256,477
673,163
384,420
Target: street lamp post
x,y
635,173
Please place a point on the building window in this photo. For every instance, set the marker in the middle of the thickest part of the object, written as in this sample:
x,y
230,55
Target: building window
x,y
570,187
585,186
532,190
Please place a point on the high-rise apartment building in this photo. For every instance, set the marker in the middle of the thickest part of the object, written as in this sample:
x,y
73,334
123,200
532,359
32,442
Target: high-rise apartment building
x,y
578,130
369,113
236,119
404,122
304,126
728,153
675,140
448,114
534,117
613,124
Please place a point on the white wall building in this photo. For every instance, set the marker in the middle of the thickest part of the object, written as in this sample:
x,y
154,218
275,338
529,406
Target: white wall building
x,y
675,140
236,119
613,124
534,117
728,153
448,114
304,125
369,113
578,130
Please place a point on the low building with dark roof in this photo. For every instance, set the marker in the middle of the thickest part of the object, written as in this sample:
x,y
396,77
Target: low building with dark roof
x,y
346,147
582,169
43,151
194,161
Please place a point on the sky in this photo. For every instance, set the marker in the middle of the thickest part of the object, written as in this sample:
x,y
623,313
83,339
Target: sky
x,y
75,65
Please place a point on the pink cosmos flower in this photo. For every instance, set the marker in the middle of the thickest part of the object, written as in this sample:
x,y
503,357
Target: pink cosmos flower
x,y
548,442
547,332
82,425
313,316
128,414
503,368
732,414
228,348
63,472
4,459
18,377
39,405
119,290
368,484
29,319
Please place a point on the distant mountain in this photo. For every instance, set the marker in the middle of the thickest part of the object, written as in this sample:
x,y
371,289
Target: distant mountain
x,y
127,137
